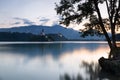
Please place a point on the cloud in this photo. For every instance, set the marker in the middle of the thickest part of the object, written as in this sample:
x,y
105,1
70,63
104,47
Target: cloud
x,y
24,20
16,23
48,21
44,19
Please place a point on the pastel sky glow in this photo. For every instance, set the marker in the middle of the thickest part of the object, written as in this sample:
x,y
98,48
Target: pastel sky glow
x,y
30,12
13,11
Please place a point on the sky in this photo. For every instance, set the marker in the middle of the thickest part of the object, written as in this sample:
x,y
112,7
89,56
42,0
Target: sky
x,y
14,11
30,12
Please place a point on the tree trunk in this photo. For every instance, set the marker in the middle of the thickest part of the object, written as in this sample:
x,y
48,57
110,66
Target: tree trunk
x,y
102,25
112,25
113,35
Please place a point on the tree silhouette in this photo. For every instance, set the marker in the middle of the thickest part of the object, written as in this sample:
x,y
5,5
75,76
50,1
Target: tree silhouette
x,y
91,69
94,72
92,27
78,10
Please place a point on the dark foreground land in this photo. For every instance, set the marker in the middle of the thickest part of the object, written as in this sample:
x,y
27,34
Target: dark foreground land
x,y
112,64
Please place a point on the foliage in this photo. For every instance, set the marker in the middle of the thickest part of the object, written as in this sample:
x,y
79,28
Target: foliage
x,y
92,28
75,11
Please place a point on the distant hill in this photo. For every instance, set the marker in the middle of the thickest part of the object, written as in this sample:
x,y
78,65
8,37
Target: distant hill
x,y
68,33
34,29
15,36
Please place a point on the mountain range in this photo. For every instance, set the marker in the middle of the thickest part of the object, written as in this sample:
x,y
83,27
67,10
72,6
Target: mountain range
x,y
68,33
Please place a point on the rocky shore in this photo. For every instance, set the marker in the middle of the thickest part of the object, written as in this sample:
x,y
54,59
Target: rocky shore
x,y
111,64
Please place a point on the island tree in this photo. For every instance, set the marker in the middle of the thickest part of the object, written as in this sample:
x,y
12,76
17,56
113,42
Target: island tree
x,y
75,11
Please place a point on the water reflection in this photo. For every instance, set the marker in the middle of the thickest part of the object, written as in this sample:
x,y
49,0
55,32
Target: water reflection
x,y
51,61
55,50
91,71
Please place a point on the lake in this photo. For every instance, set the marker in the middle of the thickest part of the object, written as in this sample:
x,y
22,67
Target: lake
x,y
52,60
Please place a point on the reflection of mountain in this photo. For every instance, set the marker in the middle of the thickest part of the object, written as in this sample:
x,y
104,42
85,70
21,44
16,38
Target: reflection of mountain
x,y
55,49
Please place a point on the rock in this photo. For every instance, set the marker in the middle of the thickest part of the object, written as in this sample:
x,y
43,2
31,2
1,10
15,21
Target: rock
x,y
110,65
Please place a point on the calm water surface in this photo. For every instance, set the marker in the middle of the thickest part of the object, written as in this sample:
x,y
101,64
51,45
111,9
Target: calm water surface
x,y
51,60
